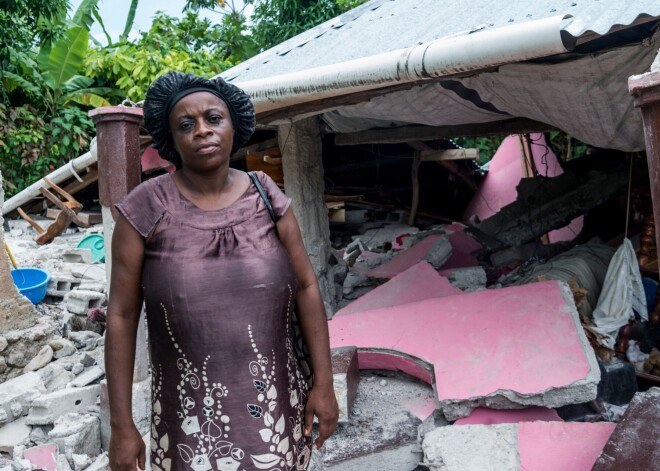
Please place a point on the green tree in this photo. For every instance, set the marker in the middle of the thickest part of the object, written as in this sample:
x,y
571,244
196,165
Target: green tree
x,y
188,44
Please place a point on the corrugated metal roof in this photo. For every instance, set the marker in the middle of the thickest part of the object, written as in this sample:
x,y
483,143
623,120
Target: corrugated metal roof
x,y
386,25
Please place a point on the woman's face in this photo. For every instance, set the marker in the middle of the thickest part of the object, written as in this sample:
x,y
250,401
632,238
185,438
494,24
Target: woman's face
x,y
202,131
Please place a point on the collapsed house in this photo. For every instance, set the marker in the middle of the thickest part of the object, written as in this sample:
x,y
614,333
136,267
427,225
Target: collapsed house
x,y
493,377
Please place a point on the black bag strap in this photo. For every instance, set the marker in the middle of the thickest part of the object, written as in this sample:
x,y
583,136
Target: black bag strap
x,y
264,196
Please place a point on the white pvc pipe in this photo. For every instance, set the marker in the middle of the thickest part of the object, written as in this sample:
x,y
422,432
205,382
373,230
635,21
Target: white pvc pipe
x,y
76,166
442,57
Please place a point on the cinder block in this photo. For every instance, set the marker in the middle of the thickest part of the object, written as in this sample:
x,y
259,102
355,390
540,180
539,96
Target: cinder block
x,y
89,376
48,408
80,301
77,434
346,375
17,394
59,285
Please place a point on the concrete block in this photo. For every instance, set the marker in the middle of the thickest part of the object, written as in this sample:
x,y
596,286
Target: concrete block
x,y
77,434
634,442
434,248
88,272
91,375
16,395
63,463
55,376
48,408
81,301
60,284
346,375
542,446
77,256
419,282
44,457
504,348
14,434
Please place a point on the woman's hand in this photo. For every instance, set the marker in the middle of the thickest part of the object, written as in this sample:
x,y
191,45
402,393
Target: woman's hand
x,y
322,403
126,449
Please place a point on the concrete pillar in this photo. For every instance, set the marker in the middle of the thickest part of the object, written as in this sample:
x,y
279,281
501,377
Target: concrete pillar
x,y
118,149
16,311
645,89
300,143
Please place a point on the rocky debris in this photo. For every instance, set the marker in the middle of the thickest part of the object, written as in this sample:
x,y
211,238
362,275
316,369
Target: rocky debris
x,y
466,279
77,434
47,408
16,395
80,301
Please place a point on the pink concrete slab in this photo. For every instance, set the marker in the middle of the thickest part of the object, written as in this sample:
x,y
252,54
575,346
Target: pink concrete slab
x,y
406,259
565,446
485,416
420,407
521,338
417,283
395,361
463,248
42,456
505,172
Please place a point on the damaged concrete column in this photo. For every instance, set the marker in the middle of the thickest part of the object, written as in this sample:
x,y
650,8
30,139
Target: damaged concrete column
x,y
646,90
300,143
16,311
118,148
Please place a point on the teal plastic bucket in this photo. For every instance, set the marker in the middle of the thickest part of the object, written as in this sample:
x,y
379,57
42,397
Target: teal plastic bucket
x,y
96,244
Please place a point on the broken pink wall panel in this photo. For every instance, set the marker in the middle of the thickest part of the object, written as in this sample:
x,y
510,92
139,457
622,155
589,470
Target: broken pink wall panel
x,y
391,360
42,456
498,188
463,249
485,416
151,160
417,283
406,259
519,345
565,446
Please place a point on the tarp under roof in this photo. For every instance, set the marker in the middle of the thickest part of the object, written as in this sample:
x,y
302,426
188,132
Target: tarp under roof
x,y
583,93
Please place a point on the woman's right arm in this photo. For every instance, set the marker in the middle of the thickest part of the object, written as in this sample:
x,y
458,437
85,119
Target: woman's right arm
x,y
124,308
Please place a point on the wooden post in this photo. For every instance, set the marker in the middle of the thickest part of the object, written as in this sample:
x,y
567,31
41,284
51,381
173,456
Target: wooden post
x,y
415,187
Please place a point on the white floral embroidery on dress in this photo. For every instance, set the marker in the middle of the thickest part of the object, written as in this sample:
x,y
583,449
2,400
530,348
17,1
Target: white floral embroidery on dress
x,y
282,453
204,421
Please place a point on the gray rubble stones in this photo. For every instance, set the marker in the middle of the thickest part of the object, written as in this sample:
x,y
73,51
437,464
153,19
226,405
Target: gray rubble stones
x,y
42,359
80,301
77,256
472,448
55,376
62,348
84,339
89,376
16,395
439,252
77,434
47,408
468,278
14,434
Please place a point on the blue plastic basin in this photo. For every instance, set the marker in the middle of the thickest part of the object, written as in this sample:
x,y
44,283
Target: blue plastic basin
x,y
31,283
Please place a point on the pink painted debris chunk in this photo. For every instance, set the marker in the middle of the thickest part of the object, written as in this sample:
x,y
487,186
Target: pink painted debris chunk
x,y
406,259
463,249
485,416
42,456
521,338
568,446
417,283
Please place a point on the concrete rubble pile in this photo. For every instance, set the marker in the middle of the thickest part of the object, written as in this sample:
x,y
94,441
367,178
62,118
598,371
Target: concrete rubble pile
x,y
503,360
441,359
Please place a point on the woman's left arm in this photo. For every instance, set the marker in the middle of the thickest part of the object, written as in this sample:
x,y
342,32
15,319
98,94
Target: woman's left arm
x,y
314,326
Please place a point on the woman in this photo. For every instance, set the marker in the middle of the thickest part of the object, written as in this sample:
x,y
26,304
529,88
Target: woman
x,y
219,280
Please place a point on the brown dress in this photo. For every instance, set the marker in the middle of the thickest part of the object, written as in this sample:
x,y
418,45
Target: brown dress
x,y
219,290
